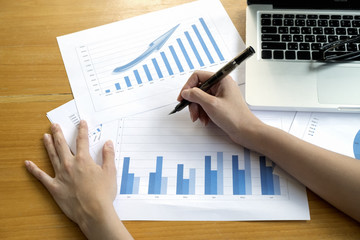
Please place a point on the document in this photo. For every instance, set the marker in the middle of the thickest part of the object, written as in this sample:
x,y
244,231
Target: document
x,y
169,168
134,65
338,132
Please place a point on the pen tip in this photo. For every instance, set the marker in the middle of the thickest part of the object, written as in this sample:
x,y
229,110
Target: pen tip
x,y
173,111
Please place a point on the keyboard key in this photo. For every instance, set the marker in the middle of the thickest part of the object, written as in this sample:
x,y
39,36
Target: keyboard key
x,y
273,45
333,38
277,22
270,38
278,54
315,46
268,30
322,23
345,23
348,17
298,38
289,22
303,55
290,55
317,31
292,46
352,47
283,30
266,54
309,38
265,15
341,31
304,46
286,38
302,16
356,23
316,55
329,31
321,38
300,22
294,30
277,16
352,31
334,23
289,15
306,30
311,23
324,17
265,22
312,16
336,17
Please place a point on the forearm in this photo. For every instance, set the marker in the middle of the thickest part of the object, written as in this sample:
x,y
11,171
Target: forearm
x,y
104,224
332,176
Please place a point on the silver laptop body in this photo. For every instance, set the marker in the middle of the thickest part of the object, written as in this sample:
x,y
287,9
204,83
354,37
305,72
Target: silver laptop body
x,y
294,79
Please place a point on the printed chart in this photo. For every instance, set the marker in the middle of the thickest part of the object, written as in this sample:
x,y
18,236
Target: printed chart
x,y
118,65
171,164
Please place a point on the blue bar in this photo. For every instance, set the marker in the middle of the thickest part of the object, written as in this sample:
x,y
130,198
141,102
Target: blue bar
x,y
148,75
179,179
117,85
124,177
107,90
151,183
185,187
203,44
263,172
220,174
192,181
177,61
236,180
211,39
164,58
137,76
194,49
157,68
158,174
127,80
269,181
213,182
248,184
207,174
130,183
276,180
164,182
183,50
136,185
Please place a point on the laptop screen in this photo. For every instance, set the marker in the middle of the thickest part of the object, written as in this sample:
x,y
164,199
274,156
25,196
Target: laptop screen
x,y
311,4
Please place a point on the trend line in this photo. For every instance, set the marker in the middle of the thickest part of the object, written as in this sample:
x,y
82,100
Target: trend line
x,y
154,46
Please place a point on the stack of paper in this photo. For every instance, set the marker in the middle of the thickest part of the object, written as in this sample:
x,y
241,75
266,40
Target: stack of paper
x,y
125,79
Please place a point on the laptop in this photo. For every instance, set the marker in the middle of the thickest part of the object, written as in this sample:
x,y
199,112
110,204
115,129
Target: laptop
x,y
289,71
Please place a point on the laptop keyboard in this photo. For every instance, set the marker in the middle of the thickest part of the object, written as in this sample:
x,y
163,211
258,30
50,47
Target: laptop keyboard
x,y
300,36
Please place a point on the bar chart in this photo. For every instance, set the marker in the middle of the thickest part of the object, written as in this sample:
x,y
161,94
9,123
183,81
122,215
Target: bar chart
x,y
170,159
110,68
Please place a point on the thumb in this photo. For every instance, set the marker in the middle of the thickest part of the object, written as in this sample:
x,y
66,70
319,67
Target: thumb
x,y
108,154
196,95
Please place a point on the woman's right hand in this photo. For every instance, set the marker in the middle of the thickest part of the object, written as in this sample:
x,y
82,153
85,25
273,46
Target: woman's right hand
x,y
224,105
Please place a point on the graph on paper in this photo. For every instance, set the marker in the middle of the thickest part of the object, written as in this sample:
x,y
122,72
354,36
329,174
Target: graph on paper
x,y
174,159
156,55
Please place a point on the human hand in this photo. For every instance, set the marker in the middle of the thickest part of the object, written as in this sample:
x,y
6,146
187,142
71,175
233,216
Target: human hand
x,y
83,190
223,105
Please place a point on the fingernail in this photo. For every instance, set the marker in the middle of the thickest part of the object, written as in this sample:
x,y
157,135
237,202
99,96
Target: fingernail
x,y
185,93
27,163
109,144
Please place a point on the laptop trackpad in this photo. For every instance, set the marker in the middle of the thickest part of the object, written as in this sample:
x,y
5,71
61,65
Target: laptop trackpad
x,y
339,85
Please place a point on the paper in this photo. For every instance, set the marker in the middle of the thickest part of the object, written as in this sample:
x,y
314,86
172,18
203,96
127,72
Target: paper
x,y
149,139
333,131
138,64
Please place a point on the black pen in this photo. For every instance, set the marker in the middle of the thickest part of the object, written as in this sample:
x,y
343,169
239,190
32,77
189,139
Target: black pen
x,y
219,75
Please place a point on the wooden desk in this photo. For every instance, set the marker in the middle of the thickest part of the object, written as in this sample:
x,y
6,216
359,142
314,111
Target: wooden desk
x,y
33,81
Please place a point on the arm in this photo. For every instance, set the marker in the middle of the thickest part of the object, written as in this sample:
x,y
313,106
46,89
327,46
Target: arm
x,y
83,190
334,177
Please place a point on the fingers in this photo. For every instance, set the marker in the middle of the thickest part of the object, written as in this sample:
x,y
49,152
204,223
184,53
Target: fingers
x,y
50,148
62,149
195,80
196,95
39,174
109,156
82,140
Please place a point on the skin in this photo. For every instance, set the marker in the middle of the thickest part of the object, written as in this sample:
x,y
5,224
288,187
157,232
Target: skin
x,y
85,191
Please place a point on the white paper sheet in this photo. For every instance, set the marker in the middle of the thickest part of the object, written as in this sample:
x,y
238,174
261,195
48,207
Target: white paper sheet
x,y
156,58
149,135
333,131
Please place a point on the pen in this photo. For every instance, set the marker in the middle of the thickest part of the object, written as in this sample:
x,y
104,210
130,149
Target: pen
x,y
219,75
